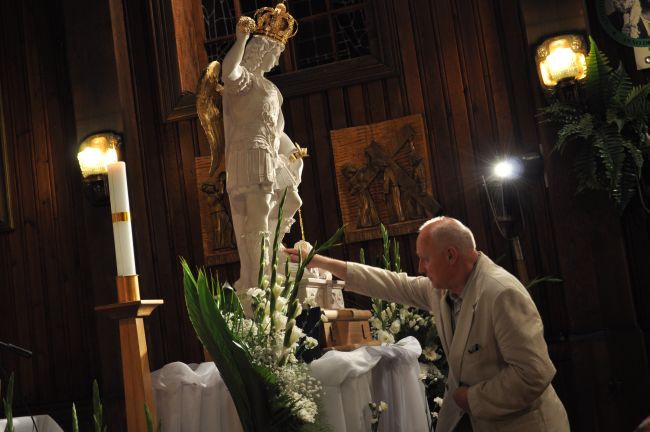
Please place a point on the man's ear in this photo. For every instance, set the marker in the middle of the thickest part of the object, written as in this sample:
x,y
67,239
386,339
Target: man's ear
x,y
452,255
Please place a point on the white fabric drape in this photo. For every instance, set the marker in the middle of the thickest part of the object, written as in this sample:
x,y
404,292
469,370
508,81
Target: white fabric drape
x,y
44,423
194,398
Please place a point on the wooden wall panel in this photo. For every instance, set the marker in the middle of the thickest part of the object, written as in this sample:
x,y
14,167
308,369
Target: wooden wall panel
x,y
465,66
46,300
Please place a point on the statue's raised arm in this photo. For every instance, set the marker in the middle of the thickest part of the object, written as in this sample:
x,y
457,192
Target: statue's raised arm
x,y
231,69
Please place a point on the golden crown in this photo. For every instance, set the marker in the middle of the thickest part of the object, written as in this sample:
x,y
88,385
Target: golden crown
x,y
276,23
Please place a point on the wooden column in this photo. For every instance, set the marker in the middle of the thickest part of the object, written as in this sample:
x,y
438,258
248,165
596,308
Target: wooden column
x,y
130,311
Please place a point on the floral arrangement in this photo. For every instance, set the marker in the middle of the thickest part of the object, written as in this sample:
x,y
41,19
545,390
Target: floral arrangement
x,y
258,357
376,410
391,322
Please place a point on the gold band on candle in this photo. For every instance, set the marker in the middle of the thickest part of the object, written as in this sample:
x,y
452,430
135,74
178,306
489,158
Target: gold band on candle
x,y
128,289
121,217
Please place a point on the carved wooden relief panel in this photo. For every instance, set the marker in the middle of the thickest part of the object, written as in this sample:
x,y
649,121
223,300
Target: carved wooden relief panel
x,y
217,233
383,176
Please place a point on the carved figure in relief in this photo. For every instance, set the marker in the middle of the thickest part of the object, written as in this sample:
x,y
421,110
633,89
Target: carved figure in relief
x,y
414,208
222,229
358,183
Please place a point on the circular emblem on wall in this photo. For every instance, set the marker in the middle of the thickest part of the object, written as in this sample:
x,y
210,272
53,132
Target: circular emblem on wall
x,y
626,21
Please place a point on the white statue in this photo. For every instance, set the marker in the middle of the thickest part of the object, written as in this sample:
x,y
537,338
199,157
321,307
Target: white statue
x,y
261,160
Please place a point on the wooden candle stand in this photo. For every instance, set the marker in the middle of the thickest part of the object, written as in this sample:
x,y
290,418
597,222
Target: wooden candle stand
x,y
130,311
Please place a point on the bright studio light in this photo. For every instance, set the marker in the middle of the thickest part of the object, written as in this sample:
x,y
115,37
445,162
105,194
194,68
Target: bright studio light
x,y
507,169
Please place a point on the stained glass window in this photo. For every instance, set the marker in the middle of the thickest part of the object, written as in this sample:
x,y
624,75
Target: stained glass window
x,y
328,30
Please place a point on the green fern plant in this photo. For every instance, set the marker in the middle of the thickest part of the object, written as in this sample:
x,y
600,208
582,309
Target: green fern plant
x,y
608,128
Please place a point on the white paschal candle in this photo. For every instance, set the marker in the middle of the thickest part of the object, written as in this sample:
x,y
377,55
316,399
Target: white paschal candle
x,y
121,216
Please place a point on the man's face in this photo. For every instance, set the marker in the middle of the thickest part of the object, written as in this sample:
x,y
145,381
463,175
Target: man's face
x,y
433,263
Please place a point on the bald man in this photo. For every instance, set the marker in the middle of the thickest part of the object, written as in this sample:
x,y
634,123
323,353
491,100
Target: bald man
x,y
499,369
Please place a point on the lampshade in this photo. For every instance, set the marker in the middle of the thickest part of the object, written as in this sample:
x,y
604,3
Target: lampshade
x,y
561,58
96,152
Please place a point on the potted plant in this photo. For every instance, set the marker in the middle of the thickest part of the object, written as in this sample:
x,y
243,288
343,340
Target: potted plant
x,y
607,126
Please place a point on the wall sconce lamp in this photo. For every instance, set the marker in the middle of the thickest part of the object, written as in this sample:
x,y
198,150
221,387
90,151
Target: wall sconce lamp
x,y
505,203
95,153
561,63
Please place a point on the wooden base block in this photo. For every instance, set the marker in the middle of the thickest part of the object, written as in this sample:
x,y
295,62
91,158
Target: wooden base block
x,y
346,329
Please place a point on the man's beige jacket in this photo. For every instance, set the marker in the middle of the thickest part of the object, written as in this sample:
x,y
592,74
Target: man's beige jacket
x,y
498,348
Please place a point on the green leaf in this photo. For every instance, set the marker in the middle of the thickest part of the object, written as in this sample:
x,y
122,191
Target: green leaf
x,y
75,421
8,403
596,83
541,280
247,388
98,410
150,423
386,245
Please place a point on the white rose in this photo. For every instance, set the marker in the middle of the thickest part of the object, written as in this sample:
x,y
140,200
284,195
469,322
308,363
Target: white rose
x,y
411,323
438,401
385,337
430,354
310,342
383,406
395,327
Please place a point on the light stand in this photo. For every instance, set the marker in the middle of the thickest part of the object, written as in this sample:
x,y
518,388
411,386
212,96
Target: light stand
x,y
501,194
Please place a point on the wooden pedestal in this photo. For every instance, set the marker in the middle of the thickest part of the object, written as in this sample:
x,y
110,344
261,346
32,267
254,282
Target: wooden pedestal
x,y
130,312
346,329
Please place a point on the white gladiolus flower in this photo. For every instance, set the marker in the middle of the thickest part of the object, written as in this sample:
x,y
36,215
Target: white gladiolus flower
x,y
280,303
298,310
383,406
277,290
296,333
279,321
395,327
403,314
376,323
383,315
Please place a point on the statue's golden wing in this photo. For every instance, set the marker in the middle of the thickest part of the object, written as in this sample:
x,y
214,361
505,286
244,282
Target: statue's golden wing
x,y
209,110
